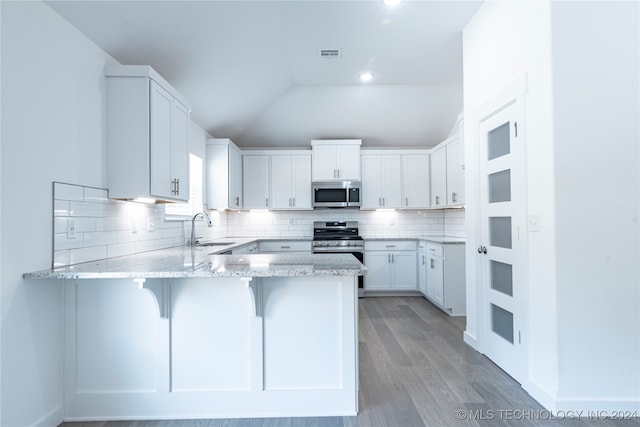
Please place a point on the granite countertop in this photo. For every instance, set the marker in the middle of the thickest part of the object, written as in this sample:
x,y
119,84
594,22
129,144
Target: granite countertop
x,y
185,262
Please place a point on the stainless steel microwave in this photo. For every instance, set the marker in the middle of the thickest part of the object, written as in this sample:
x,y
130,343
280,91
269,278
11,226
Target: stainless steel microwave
x,y
336,194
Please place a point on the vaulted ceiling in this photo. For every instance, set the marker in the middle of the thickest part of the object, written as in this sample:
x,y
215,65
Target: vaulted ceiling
x,y
252,70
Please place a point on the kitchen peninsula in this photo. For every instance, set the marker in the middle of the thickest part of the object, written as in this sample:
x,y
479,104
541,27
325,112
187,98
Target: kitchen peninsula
x,y
251,335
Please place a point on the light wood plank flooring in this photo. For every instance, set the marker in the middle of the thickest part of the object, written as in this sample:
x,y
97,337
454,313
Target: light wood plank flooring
x,y
415,370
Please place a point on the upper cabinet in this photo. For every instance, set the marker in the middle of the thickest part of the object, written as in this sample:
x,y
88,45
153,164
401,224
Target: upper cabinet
x,y
439,177
336,160
455,171
224,174
291,181
147,135
256,175
381,181
415,181
395,179
447,172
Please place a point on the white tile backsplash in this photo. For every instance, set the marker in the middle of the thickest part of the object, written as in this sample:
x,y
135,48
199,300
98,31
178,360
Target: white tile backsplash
x,y
105,228
371,223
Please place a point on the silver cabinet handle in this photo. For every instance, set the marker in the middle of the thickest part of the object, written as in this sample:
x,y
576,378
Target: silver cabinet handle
x,y
379,201
237,200
285,247
390,246
389,258
454,197
431,264
423,259
437,200
406,201
177,186
266,202
294,202
393,258
338,173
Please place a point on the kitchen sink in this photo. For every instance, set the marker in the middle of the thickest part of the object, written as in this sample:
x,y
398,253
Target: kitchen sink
x,y
215,244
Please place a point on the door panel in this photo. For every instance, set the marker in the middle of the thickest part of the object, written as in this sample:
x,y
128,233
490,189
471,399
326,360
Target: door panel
x,y
502,207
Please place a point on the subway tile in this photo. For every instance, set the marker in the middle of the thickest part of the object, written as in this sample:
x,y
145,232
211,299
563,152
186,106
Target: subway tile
x,y
60,241
100,238
68,192
61,208
60,258
96,195
87,209
94,253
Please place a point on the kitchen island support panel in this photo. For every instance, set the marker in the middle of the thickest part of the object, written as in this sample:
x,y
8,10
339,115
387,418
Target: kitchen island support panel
x,y
216,355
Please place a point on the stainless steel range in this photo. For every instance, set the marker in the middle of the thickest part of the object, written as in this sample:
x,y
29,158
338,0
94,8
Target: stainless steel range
x,y
336,237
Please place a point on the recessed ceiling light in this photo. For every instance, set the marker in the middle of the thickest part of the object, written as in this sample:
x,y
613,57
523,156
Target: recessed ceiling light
x,y
365,77
392,2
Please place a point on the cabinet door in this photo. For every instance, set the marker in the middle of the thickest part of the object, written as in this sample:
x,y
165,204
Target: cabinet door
x,y
415,181
160,128
348,162
180,150
439,178
455,173
301,181
255,182
324,163
404,270
235,179
281,182
391,183
422,271
435,279
378,270
371,193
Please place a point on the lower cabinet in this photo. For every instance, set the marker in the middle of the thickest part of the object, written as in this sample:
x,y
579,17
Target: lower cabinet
x,y
445,276
391,266
422,267
271,246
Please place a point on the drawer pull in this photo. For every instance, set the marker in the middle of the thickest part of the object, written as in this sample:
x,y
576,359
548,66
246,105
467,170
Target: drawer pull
x,y
390,246
285,247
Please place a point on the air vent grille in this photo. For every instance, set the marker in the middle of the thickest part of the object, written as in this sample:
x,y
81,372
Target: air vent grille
x,y
330,53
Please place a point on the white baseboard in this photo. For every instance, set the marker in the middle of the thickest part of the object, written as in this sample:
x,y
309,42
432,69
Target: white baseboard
x,y
471,340
52,419
540,395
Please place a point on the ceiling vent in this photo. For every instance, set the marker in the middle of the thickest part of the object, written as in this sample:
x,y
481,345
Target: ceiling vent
x,y
330,53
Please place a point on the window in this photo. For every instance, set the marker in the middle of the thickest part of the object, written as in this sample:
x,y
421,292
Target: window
x,y
187,210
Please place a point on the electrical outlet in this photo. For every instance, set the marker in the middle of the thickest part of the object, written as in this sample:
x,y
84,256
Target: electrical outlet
x,y
150,224
71,229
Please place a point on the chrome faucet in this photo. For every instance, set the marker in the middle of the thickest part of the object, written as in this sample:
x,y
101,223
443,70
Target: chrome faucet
x,y
193,225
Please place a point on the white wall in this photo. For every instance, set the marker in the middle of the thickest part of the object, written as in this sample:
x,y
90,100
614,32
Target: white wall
x,y
52,116
502,42
581,62
596,103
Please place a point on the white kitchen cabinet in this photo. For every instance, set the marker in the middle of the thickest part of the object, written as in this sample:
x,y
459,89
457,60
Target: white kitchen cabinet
x,y
446,277
439,177
274,246
415,181
147,127
291,181
391,265
381,181
256,177
336,160
455,173
251,248
223,174
422,267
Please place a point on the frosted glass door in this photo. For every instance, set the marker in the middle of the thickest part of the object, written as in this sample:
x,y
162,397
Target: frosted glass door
x,y
501,166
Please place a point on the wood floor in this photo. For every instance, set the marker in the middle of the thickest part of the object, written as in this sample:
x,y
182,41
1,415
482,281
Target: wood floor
x,y
415,370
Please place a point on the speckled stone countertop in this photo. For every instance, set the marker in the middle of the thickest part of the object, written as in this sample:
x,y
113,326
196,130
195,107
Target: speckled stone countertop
x,y
185,262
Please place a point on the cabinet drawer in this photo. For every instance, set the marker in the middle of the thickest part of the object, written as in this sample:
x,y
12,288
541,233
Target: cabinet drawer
x,y
285,246
435,249
390,245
